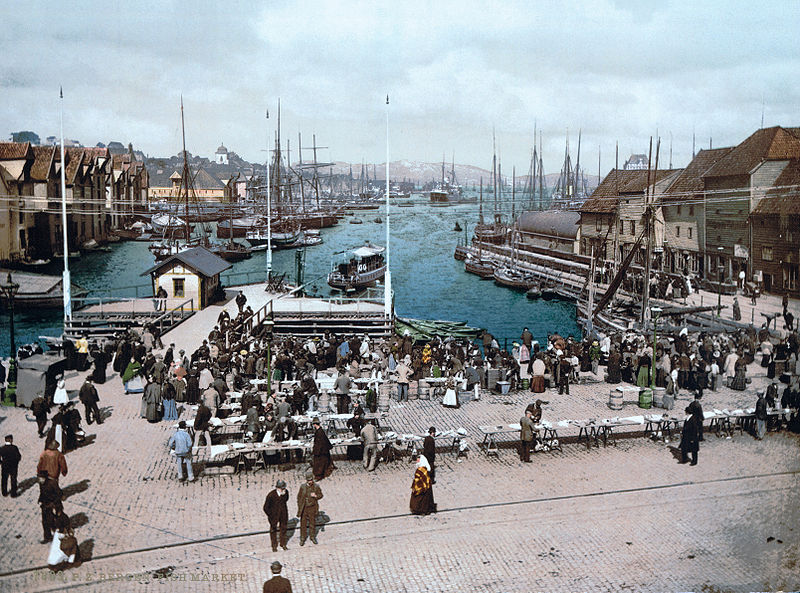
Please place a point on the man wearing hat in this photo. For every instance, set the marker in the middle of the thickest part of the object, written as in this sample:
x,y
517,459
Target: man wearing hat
x,y
277,584
277,513
321,452
89,398
9,458
308,497
180,445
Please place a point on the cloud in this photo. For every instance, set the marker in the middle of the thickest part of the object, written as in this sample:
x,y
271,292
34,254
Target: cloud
x,y
618,71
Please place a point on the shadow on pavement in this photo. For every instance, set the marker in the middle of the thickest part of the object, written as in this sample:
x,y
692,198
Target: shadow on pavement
x,y
75,488
78,520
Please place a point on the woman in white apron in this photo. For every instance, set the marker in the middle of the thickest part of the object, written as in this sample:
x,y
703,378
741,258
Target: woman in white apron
x,y
58,558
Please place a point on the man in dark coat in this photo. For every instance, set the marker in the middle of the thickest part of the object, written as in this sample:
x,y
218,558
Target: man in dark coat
x,y
9,458
690,438
526,437
49,497
40,408
321,453
89,398
429,451
277,584
564,368
277,514
697,410
308,497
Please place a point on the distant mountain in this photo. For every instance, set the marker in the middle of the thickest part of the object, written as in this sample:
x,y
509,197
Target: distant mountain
x,y
421,173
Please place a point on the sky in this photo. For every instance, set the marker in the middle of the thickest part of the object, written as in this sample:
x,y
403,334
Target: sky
x,y
456,72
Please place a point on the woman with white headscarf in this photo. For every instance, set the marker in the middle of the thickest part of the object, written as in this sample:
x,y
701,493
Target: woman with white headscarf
x,y
422,489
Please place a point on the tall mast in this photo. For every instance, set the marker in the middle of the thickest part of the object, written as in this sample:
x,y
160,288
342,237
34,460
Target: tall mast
x,y
480,204
185,181
269,204
387,283
494,172
513,191
541,174
66,283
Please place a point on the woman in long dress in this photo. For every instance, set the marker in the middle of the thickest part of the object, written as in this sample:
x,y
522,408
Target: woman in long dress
x,y
57,558
739,382
60,396
422,489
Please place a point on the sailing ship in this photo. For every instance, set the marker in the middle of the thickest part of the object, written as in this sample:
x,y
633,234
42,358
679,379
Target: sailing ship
x,y
365,267
176,233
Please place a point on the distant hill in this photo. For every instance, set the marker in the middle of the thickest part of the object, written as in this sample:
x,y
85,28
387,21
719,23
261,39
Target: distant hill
x,y
420,173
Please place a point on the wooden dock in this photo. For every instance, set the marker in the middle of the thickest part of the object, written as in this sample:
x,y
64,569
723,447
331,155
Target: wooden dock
x,y
101,317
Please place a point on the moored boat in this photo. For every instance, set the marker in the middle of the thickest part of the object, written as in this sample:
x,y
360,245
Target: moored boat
x,y
461,252
512,278
480,267
365,267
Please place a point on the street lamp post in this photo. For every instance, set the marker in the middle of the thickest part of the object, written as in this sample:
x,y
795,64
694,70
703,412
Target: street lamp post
x,y
720,269
9,291
654,312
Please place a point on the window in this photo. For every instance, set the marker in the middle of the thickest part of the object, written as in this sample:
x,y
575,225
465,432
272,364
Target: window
x,y
598,224
177,287
633,227
677,231
690,232
766,253
691,210
679,210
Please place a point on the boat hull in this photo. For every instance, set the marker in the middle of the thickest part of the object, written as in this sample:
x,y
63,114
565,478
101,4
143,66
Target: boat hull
x,y
356,281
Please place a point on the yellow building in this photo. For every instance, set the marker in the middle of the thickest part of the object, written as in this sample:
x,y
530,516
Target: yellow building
x,y
192,274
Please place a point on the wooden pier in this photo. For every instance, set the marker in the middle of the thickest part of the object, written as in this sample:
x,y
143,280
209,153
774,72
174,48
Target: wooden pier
x,y
101,317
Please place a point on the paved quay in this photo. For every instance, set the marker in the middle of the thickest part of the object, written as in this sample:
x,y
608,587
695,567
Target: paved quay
x,y
625,517
617,518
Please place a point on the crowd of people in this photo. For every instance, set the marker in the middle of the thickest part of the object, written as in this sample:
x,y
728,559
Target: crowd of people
x,y
238,354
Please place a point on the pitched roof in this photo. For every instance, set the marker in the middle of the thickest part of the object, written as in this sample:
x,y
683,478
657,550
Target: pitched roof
x,y
199,259
204,180
618,183
10,151
784,197
774,143
43,157
551,222
690,179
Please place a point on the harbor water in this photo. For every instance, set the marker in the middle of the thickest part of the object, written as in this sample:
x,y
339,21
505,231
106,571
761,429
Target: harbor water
x,y
428,282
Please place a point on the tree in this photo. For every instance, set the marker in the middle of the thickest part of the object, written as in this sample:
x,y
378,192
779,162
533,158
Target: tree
x,y
25,136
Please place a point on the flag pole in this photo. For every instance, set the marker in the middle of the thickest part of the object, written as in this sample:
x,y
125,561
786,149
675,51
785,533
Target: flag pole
x,y
387,285
65,280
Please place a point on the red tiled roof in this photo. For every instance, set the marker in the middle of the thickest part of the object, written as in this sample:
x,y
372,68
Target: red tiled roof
x,y
784,197
774,143
43,157
12,151
691,178
620,182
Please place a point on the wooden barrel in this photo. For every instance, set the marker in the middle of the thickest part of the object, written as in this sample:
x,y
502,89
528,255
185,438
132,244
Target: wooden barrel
x,y
658,396
324,402
492,377
646,398
615,399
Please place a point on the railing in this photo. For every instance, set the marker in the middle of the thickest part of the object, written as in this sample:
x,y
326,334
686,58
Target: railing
x,y
252,277
160,318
